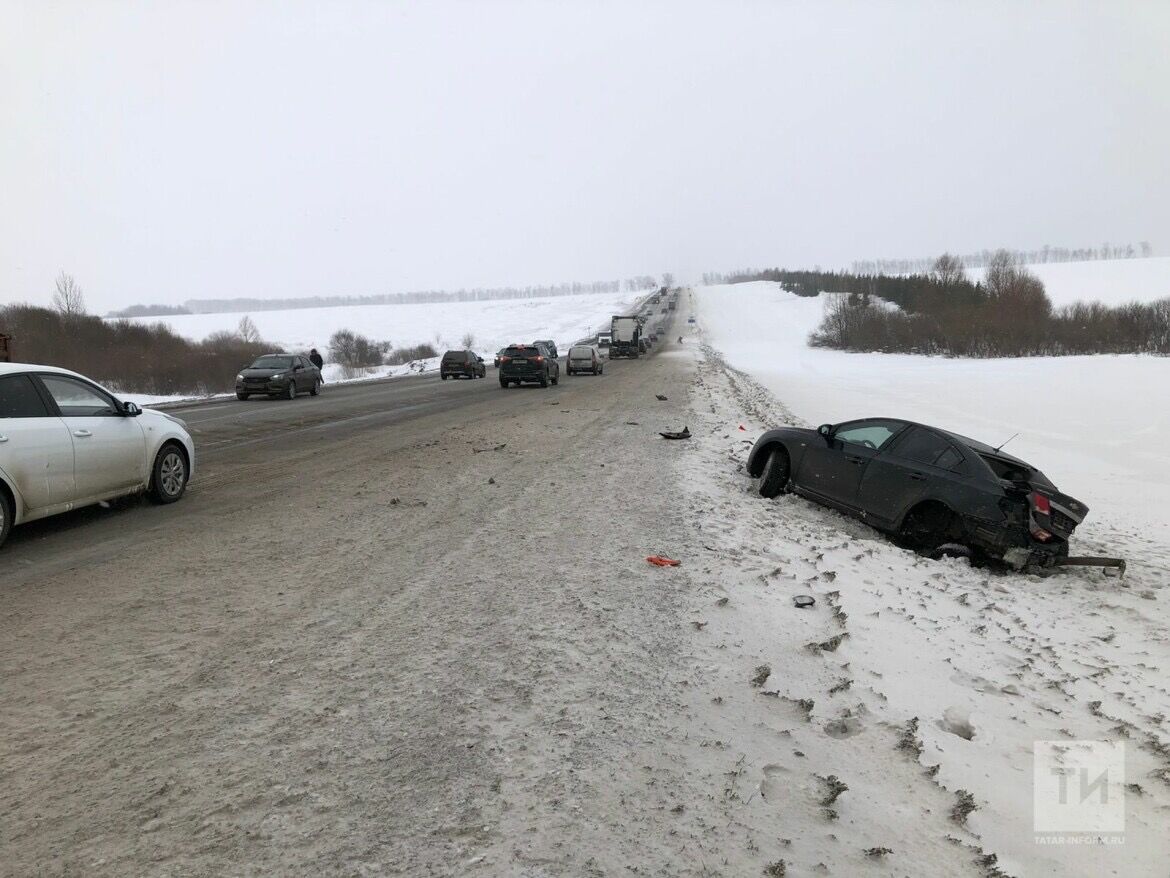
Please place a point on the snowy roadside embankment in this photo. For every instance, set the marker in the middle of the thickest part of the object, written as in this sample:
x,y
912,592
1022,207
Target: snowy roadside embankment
x,y
919,685
922,686
1093,424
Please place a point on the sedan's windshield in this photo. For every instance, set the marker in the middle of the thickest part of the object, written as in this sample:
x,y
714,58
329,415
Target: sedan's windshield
x,y
273,363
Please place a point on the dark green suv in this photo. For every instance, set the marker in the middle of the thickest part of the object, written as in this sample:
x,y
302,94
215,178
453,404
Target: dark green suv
x,y
529,363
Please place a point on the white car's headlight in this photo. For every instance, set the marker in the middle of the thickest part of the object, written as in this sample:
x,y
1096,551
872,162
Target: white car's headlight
x,y
277,376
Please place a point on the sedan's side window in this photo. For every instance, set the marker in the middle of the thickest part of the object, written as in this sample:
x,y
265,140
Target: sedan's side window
x,y
871,434
952,460
77,399
19,398
921,446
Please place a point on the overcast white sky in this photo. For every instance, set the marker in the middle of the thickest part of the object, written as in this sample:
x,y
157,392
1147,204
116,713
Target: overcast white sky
x,y
167,150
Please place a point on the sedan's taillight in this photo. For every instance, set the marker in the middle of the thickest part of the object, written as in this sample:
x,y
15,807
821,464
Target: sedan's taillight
x,y
1043,506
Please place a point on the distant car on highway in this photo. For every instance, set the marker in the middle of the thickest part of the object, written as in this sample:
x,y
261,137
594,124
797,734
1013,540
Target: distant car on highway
x,y
604,339
279,375
499,354
528,364
66,442
691,319
584,358
466,364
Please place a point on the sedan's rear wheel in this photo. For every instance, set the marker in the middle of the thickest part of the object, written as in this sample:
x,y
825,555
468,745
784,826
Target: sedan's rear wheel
x,y
7,513
931,527
169,477
241,396
774,477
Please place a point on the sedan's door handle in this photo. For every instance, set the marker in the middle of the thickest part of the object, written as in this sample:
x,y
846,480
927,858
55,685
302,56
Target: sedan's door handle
x,y
82,434
918,477
855,460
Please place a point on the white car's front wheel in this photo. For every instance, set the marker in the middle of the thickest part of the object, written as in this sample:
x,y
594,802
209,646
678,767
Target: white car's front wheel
x,y
169,478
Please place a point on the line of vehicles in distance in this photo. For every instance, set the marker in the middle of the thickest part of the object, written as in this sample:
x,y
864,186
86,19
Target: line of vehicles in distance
x,y
66,442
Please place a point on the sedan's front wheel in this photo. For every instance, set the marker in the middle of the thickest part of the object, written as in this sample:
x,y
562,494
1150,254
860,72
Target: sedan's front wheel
x,y
169,478
291,393
774,477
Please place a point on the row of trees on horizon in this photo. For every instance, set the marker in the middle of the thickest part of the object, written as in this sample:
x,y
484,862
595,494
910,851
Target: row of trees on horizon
x,y
1007,314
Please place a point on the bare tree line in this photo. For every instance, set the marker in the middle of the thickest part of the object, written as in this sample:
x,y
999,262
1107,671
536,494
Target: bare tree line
x,y
1008,314
220,306
1038,256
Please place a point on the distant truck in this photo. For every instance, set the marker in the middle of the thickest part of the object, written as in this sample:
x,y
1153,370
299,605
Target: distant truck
x,y
603,339
624,335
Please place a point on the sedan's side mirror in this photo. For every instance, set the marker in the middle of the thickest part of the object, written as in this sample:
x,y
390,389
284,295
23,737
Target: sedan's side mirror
x,y
131,409
826,430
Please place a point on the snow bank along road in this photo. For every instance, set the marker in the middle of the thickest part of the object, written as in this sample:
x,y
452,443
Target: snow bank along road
x,y
408,628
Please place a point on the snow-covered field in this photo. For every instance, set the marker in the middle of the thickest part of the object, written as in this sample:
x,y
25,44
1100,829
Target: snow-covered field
x,y
919,683
494,323
1112,281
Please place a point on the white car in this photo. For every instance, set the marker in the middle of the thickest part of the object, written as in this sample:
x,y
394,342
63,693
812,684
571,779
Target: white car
x,y
65,443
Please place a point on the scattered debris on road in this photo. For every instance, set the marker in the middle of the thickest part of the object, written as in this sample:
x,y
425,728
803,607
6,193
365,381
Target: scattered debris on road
x,y
763,672
661,561
660,397
804,600
685,433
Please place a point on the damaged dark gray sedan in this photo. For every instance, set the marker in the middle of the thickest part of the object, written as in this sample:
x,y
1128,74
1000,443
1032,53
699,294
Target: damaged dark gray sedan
x,y
937,491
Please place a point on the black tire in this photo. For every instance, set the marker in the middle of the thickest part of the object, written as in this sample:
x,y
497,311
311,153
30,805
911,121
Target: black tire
x,y
557,379
316,388
596,370
169,475
503,384
773,479
241,396
291,393
544,380
930,528
952,550
7,513
444,377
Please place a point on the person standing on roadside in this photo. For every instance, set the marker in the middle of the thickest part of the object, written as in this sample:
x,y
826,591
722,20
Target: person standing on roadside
x,y
316,359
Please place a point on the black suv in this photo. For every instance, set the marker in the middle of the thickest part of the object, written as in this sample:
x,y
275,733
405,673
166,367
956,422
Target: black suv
x,y
533,363
457,363
279,375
